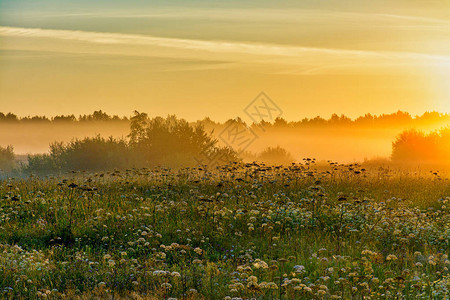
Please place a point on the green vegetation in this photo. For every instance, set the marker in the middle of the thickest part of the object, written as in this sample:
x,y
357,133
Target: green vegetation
x,y
88,154
246,231
152,142
7,159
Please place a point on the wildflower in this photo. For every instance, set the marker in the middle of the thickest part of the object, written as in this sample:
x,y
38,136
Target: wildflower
x,y
295,281
166,285
263,285
260,264
299,269
366,252
176,274
111,263
272,285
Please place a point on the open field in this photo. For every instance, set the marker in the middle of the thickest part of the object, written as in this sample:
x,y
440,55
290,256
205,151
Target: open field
x,y
246,231
187,150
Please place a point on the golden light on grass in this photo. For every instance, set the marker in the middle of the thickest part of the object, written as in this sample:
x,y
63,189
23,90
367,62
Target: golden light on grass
x,y
224,150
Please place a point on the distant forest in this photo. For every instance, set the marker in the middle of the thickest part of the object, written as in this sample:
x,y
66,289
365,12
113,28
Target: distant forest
x,y
97,115
400,118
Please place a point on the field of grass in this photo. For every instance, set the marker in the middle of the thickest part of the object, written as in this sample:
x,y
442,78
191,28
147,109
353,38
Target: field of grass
x,y
239,232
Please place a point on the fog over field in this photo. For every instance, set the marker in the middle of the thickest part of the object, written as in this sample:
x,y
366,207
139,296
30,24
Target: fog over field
x,y
346,142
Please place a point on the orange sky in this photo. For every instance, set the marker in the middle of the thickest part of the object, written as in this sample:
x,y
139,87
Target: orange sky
x,y
197,60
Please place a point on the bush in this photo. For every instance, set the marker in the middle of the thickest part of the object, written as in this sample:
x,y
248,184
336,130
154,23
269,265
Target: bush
x,y
414,146
275,155
41,163
91,154
7,158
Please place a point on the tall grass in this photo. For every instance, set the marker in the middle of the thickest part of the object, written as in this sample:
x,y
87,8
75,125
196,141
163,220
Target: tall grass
x,y
245,231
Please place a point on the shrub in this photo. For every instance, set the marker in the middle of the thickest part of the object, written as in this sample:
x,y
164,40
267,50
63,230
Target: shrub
x,y
275,155
414,146
91,154
7,158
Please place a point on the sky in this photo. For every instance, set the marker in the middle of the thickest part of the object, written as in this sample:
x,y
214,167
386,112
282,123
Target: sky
x,y
212,58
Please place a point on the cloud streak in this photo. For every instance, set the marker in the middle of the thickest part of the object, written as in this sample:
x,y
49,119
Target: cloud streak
x,y
310,57
295,15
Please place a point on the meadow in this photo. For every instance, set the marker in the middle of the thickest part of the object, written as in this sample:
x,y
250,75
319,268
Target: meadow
x,y
241,231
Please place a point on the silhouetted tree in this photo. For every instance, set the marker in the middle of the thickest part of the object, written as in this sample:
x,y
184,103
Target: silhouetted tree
x,y
172,141
9,117
68,118
138,127
280,123
36,119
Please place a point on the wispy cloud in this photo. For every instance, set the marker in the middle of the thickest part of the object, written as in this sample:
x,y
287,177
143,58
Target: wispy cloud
x,y
415,18
312,59
295,15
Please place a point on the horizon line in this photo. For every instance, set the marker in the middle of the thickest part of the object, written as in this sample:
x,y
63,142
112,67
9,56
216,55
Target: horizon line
x,y
122,117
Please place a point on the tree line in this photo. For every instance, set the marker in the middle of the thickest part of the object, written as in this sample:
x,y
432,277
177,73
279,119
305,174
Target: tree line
x,y
97,115
398,119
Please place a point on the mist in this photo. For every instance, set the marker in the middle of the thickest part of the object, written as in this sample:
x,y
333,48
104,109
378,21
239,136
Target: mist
x,y
338,138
